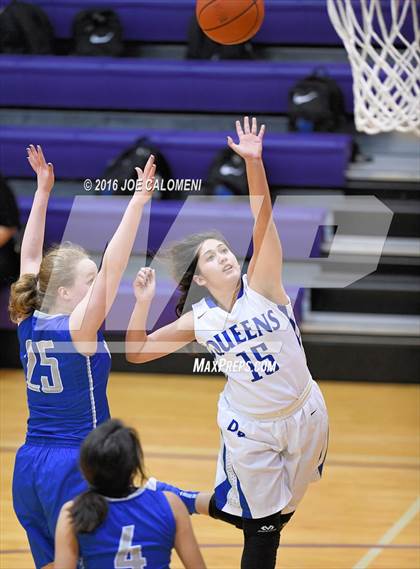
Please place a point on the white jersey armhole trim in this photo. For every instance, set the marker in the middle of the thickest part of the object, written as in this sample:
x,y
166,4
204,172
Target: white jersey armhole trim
x,y
198,310
106,349
264,297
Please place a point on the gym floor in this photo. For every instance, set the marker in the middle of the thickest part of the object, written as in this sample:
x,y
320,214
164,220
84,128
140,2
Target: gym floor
x,y
364,512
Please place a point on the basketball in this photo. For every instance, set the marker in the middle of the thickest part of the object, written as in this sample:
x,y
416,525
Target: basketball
x,y
232,22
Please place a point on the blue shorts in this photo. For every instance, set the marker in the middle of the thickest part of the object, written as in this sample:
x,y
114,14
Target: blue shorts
x,y
44,478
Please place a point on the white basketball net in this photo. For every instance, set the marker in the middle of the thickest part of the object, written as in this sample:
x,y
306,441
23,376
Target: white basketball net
x,y
385,64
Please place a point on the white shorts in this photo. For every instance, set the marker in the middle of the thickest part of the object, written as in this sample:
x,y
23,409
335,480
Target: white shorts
x,y
265,466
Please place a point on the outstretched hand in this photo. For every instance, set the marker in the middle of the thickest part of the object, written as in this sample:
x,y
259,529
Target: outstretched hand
x,y
146,180
250,143
43,171
144,284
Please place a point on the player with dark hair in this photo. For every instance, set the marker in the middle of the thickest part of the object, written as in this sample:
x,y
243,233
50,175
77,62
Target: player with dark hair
x,y
272,416
117,523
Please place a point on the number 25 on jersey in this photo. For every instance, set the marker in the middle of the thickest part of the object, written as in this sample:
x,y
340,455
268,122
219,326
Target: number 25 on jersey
x,y
49,374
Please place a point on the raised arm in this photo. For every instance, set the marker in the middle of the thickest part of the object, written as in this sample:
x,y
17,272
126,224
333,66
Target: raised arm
x,y
139,346
185,542
66,545
265,267
33,239
89,314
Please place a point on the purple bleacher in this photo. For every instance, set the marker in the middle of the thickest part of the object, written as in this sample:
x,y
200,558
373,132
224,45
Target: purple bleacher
x,y
157,85
286,21
93,220
293,159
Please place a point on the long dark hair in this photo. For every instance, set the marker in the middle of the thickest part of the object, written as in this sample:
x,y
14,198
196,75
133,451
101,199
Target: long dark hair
x,y
110,458
184,258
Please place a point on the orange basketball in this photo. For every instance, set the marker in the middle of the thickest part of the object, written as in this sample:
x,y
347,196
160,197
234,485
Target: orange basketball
x,y
230,21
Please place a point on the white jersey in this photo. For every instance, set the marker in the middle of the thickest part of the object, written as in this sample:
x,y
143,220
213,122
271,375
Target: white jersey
x,y
258,347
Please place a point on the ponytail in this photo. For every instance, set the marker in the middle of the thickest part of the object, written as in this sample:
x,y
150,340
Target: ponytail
x,y
88,511
24,297
110,458
57,268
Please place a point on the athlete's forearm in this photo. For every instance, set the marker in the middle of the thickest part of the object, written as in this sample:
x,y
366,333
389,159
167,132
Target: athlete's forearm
x,y
202,502
119,249
160,342
259,191
265,237
33,238
136,332
88,316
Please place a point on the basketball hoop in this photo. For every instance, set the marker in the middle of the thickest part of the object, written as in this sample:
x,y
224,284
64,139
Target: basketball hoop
x,y
384,53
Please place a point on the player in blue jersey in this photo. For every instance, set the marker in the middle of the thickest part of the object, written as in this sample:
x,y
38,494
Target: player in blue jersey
x,y
59,303
117,522
271,414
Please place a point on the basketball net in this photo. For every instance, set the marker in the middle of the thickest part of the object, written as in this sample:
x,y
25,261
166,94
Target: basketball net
x,y
385,64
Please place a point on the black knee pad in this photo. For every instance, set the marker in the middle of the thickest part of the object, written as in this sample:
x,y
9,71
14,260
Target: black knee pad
x,y
262,538
275,522
263,526
217,514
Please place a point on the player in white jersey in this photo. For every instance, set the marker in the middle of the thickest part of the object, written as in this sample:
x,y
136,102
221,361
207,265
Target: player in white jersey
x,y
271,414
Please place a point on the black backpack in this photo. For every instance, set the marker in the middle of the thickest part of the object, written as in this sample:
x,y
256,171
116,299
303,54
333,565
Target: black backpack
x,y
202,47
227,175
97,32
316,103
123,168
25,28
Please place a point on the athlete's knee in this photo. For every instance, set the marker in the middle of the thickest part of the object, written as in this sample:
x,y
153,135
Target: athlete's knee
x,y
273,523
217,514
261,541
49,566
263,526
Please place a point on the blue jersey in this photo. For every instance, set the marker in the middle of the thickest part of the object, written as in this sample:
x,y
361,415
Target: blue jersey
x,y
66,390
138,532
